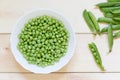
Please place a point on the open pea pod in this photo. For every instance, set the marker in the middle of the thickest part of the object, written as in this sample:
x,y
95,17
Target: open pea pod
x,y
96,55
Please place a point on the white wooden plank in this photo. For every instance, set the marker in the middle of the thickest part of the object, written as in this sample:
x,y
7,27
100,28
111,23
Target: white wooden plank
x,y
11,10
59,76
82,61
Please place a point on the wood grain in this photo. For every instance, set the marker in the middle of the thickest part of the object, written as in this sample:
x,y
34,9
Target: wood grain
x,y
10,11
82,65
59,76
82,61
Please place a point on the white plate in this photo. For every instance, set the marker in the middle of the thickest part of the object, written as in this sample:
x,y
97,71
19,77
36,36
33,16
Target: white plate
x,y
14,41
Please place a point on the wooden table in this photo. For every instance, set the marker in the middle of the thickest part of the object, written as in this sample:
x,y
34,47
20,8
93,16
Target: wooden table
x,y
82,65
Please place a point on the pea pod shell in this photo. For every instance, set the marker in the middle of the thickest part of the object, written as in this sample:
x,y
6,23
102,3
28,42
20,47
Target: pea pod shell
x,y
88,20
111,15
110,38
107,20
108,4
116,11
114,27
108,14
96,56
109,9
94,20
113,0
116,19
117,35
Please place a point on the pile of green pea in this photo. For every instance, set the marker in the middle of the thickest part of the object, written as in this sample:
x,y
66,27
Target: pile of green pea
x,y
43,40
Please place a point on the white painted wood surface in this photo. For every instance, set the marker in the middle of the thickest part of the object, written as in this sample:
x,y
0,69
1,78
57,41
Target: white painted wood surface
x,y
82,62
11,10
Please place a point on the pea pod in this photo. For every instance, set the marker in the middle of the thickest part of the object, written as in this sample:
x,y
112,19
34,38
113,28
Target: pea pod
x,y
96,55
116,19
113,0
109,9
108,15
88,21
116,11
114,27
111,15
117,35
94,20
107,20
108,4
110,37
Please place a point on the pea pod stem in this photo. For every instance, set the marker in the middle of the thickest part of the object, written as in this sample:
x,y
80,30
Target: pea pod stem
x,y
114,27
110,37
96,55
